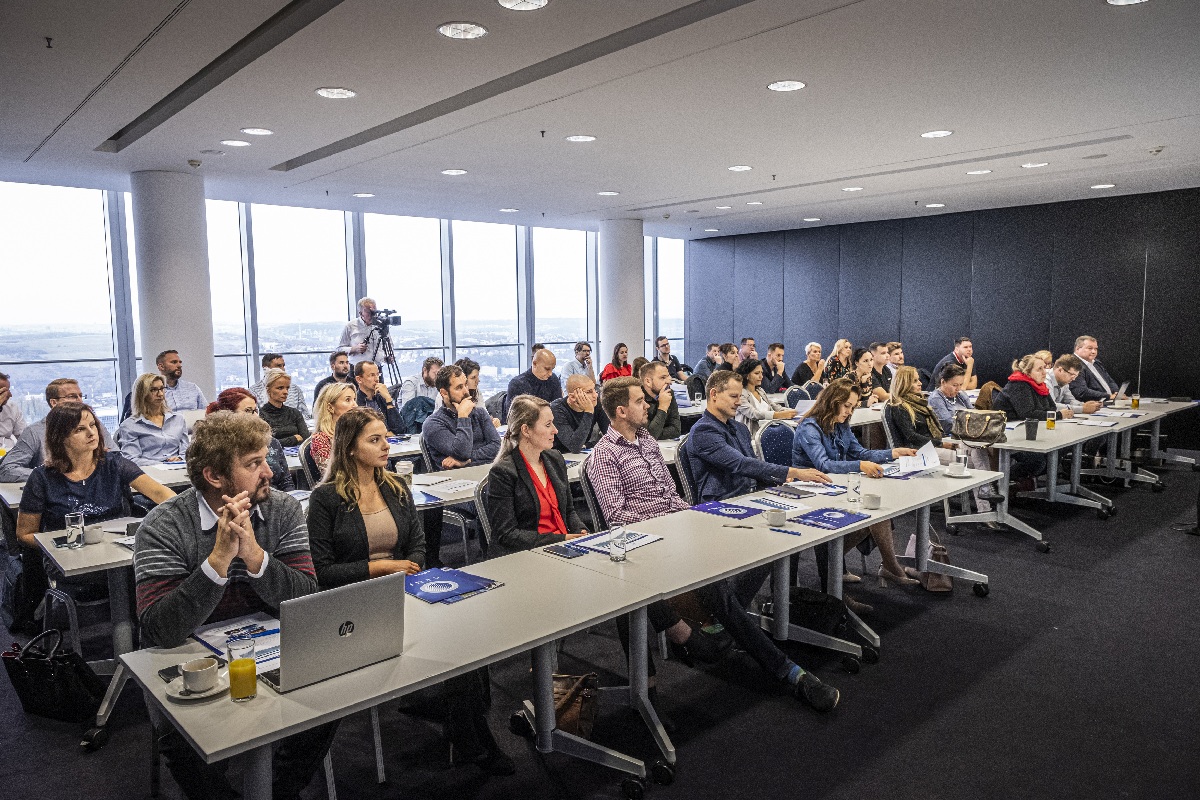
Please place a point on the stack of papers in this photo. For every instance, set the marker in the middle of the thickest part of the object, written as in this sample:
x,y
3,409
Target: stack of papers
x,y
443,488
829,519
1131,414
1097,423
172,465
598,542
908,466
805,488
447,585
264,629
727,510
781,504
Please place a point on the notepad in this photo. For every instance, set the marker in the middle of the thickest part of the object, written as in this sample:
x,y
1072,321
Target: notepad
x,y
447,585
598,542
261,627
807,489
444,489
829,519
726,510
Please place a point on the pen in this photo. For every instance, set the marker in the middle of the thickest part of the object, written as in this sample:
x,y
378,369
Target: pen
x,y
747,527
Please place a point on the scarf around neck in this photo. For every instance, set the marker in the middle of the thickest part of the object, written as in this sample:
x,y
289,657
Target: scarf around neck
x,y
1040,388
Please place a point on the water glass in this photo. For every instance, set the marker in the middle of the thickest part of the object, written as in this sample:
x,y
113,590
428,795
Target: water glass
x,y
74,530
698,398
243,671
854,488
617,544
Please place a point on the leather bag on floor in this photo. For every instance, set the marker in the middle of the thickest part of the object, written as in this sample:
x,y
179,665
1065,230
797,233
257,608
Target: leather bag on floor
x,y
576,701
932,581
54,684
983,427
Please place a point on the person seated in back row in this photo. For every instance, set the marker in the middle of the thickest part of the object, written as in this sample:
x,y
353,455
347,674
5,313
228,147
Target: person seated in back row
x,y
1093,381
153,433
577,415
712,360
811,368
539,381
1026,397
287,424
373,394
664,422
963,354
756,408
775,377
1059,379
295,398
678,372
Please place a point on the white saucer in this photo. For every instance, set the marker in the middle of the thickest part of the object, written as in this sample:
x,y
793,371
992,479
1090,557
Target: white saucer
x,y
176,692
966,474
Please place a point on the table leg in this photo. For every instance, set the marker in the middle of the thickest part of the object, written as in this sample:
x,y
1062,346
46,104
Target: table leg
x,y
923,562
257,779
1052,476
999,512
120,677
781,605
836,566
639,682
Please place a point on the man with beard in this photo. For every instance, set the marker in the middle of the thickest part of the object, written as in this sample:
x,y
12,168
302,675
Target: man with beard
x,y
228,546
339,362
181,395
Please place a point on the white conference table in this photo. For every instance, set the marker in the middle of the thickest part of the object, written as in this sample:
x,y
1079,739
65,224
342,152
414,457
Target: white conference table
x,y
441,641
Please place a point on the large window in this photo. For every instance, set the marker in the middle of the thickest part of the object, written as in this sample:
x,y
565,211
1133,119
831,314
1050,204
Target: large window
x,y
228,295
670,293
57,319
485,298
560,299
300,286
404,272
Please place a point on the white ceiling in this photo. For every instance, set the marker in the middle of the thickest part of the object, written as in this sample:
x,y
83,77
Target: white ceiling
x,y
1017,81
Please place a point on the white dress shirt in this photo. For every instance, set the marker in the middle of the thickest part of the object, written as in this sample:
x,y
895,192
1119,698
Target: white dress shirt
x,y
12,423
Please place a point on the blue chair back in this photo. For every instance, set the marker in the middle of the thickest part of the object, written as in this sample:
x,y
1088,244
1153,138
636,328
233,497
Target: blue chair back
x,y
793,396
809,391
773,443
683,460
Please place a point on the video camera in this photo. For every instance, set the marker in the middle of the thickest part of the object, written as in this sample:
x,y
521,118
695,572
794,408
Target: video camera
x,y
384,318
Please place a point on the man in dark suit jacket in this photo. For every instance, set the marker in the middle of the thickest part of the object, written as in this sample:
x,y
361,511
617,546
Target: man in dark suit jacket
x,y
1093,381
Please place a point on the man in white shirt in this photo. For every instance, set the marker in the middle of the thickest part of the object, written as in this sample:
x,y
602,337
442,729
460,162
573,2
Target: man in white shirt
x,y
1093,381
581,364
422,385
1058,380
360,338
12,422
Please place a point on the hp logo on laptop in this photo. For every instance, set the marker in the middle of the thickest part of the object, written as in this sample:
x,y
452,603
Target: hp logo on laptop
x,y
346,628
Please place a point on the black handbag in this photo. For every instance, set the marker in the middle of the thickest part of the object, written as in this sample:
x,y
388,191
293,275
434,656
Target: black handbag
x,y
58,685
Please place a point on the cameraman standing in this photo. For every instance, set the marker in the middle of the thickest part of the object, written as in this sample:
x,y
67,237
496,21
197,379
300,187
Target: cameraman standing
x,y
360,337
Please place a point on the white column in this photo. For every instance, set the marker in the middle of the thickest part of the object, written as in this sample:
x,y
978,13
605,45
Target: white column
x,y
174,298
622,288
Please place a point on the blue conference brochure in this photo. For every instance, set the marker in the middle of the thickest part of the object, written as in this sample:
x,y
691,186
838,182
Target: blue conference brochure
x,y
727,510
830,519
446,585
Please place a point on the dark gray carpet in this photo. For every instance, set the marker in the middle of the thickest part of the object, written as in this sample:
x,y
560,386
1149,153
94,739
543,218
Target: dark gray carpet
x,y
1074,678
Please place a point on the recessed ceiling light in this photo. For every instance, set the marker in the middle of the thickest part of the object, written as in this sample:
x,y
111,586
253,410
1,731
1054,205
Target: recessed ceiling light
x,y
724,208
935,134
234,143
581,138
754,203
980,172
608,194
363,194
852,189
462,30
1035,165
454,172
212,152
812,219
1104,186
1125,2
935,205
740,168
712,230
257,131
523,5
785,86
510,210
336,93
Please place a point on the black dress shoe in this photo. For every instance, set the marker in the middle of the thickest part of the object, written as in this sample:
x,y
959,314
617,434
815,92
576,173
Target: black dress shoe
x,y
706,645
816,695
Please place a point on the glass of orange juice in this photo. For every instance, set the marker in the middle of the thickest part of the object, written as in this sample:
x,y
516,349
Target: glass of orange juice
x,y
243,674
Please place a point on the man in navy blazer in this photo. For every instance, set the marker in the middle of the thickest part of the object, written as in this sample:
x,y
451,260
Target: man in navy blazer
x,y
1093,381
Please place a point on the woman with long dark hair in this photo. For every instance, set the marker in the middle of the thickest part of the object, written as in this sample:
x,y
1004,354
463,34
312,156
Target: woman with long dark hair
x,y
619,367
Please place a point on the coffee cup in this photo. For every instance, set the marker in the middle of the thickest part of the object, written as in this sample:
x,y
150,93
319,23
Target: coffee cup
x,y
199,674
871,501
776,517
93,534
404,469
957,468
1031,426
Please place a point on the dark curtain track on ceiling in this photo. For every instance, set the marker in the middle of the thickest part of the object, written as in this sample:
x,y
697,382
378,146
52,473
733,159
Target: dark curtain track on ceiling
x,y
1014,279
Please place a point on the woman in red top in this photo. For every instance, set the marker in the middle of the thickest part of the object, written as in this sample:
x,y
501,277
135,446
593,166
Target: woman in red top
x,y
619,367
528,495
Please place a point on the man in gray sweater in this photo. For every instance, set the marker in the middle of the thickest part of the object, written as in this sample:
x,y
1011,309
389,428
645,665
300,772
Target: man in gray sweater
x,y
229,546
459,432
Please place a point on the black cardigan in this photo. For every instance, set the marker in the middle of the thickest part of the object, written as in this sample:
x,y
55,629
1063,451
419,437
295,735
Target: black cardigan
x,y
286,424
337,535
906,432
1018,400
513,507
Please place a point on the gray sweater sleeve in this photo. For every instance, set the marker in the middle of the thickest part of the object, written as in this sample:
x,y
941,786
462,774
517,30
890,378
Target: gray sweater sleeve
x,y
24,456
572,438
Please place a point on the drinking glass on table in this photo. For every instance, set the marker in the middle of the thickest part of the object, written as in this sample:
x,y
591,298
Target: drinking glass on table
x,y
618,541
853,487
74,523
698,398
1051,416
1135,401
243,672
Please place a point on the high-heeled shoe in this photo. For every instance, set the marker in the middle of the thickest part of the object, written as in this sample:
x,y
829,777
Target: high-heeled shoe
x,y
850,577
899,580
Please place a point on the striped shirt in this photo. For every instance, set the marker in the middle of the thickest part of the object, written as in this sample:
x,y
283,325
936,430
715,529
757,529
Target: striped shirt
x,y
174,593
631,479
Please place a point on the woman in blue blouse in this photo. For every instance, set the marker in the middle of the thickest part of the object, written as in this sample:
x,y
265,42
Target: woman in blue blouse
x,y
824,441
153,433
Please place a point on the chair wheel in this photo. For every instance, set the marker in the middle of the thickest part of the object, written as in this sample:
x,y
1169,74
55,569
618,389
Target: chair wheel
x,y
520,725
634,788
662,773
851,664
981,590
870,654
1103,513
952,530
1158,488
1195,467
1043,546
94,739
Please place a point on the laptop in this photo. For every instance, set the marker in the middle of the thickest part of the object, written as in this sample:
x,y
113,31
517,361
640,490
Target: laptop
x,y
1120,393
329,633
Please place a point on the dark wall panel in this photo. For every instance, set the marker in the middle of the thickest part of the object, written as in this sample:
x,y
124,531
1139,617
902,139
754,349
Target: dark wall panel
x,y
937,266
869,281
1011,268
810,290
1169,366
1099,268
708,316
758,289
